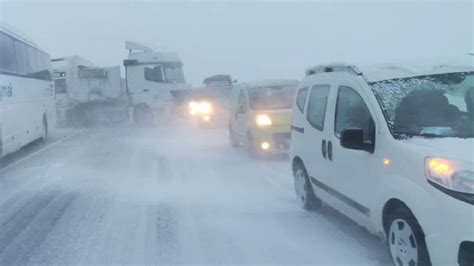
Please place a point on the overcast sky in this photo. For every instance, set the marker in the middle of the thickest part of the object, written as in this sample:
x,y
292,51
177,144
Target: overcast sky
x,y
250,40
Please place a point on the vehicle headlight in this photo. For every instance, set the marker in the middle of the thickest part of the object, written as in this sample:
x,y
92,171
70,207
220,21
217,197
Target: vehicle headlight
x,y
193,106
205,108
450,175
263,120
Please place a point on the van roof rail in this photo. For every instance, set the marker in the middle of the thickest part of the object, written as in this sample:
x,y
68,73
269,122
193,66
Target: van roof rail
x,y
336,67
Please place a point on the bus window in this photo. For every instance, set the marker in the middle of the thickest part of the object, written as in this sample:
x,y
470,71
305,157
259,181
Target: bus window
x,y
7,54
33,65
44,65
21,58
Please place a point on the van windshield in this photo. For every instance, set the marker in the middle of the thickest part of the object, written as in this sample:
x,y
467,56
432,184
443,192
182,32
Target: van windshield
x,y
272,97
439,105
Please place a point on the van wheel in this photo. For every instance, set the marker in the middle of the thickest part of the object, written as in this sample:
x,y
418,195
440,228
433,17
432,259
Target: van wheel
x,y
143,116
251,147
234,143
406,240
44,130
304,190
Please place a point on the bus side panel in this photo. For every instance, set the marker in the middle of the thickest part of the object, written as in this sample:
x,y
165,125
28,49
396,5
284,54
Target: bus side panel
x,y
1,122
23,103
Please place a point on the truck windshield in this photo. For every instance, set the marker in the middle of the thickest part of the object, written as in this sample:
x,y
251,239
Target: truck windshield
x,y
174,75
272,97
431,106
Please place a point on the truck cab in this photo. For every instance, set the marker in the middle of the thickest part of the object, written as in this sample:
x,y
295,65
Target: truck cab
x,y
66,78
150,79
87,94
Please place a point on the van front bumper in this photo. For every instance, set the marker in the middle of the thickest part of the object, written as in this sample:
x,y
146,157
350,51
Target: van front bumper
x,y
278,139
453,240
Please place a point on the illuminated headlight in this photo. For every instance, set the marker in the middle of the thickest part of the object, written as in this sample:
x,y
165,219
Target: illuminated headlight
x,y
204,108
193,107
263,120
450,175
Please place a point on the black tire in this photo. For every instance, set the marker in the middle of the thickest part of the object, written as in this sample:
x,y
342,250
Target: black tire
x,y
400,218
251,147
234,143
307,198
44,130
143,116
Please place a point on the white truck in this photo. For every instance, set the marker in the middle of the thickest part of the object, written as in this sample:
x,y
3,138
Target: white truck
x,y
151,77
88,95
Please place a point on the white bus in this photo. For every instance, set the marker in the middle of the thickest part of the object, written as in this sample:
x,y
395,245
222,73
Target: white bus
x,y
26,92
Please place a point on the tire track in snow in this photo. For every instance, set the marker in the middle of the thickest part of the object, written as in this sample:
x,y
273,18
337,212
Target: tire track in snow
x,y
26,230
167,233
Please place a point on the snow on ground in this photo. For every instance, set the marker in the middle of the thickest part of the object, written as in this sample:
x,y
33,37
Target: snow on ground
x,y
169,195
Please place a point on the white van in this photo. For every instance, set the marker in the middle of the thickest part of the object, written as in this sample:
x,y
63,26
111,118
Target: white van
x,y
391,148
26,92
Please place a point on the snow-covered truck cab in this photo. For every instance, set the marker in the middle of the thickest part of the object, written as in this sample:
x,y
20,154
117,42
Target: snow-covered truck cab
x,y
66,74
88,95
150,78
392,148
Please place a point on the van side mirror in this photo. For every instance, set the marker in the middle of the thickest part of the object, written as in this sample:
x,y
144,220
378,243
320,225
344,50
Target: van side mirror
x,y
353,139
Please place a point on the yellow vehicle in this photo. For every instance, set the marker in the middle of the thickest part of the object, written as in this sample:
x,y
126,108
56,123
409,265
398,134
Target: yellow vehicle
x,y
260,116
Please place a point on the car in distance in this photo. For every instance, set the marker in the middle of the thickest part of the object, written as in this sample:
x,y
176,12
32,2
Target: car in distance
x,y
392,148
210,104
260,116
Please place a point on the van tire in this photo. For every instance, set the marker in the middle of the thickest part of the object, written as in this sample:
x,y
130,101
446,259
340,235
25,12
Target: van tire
x,y
252,149
234,143
44,130
402,217
304,190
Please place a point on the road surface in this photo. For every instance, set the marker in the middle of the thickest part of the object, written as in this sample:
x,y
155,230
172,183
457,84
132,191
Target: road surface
x,y
169,195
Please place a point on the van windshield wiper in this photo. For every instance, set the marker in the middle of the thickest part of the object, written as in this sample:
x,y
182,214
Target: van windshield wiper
x,y
413,134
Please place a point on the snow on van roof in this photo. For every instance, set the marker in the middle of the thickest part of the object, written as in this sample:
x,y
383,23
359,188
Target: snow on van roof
x,y
375,73
271,82
15,33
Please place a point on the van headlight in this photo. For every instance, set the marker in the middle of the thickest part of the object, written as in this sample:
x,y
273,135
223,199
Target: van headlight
x,y
451,175
263,120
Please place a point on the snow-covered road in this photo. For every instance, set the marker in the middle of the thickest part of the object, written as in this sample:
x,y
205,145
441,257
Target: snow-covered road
x,y
168,195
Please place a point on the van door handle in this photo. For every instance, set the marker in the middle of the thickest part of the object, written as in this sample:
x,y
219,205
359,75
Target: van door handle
x,y
330,150
323,148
